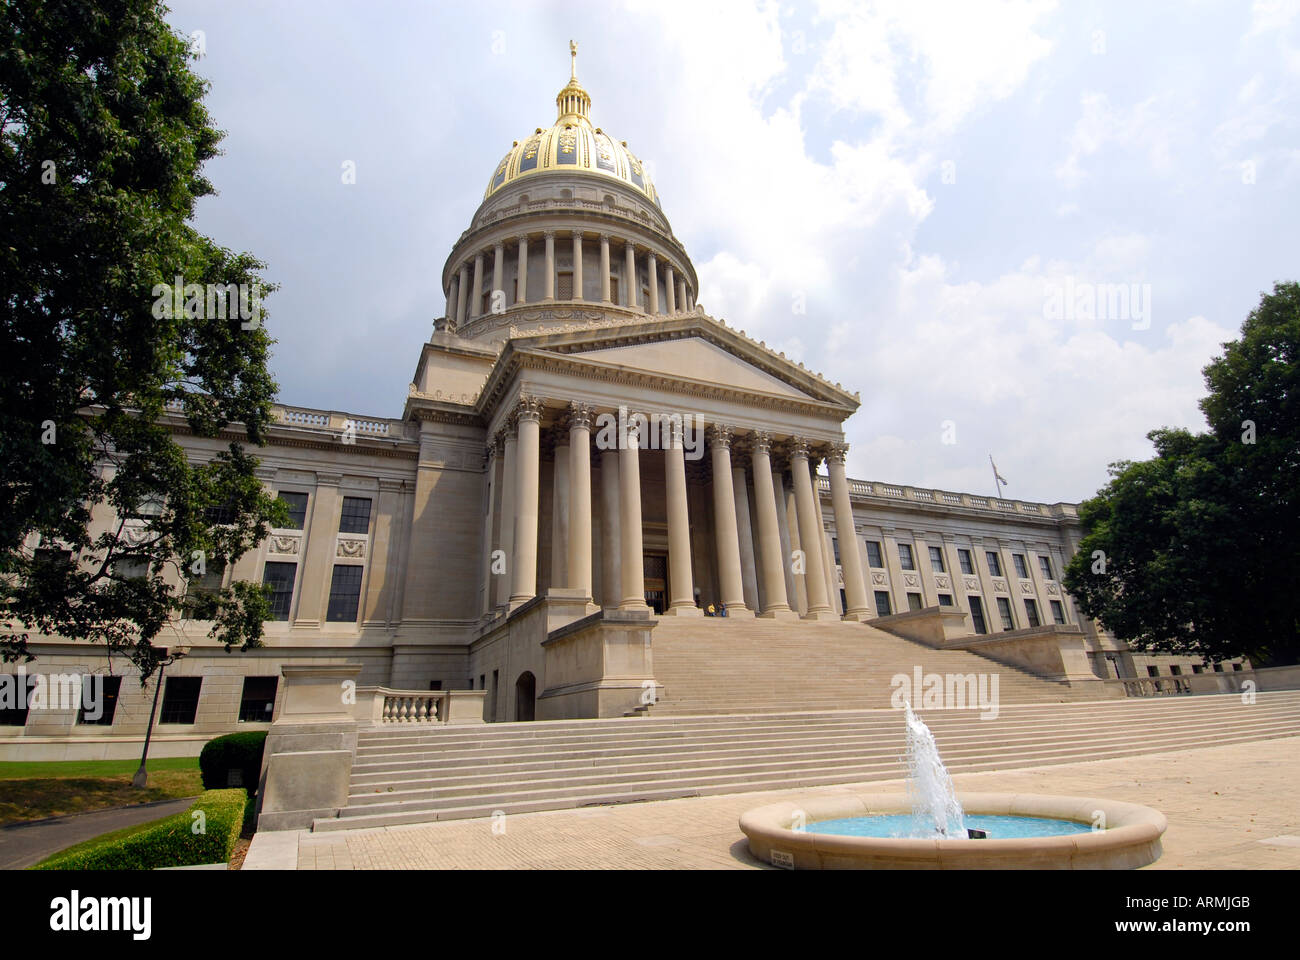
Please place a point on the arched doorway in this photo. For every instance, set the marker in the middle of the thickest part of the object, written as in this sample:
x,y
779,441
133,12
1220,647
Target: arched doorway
x,y
525,696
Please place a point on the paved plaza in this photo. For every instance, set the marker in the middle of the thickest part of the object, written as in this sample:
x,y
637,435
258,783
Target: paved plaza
x,y
1229,807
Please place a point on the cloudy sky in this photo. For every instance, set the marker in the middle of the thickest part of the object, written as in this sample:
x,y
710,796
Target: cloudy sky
x,y
936,204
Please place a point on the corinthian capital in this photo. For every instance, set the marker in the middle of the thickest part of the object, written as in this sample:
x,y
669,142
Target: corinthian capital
x,y
721,434
529,408
836,452
579,415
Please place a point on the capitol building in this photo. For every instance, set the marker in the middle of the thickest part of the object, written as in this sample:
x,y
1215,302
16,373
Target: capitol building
x,y
598,500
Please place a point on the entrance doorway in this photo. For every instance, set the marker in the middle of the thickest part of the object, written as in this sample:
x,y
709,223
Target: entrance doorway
x,y
656,581
525,696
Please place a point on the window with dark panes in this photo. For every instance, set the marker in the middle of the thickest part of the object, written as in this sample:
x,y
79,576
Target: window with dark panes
x,y
1004,610
209,581
874,557
977,615
882,604
297,504
345,593
15,691
355,517
1031,611
995,565
1058,611
1045,565
835,548
1022,568
279,577
914,601
936,560
945,599
99,700
180,701
257,702
967,566
905,557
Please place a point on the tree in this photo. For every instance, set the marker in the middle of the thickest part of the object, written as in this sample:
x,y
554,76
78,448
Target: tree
x,y
1195,551
103,136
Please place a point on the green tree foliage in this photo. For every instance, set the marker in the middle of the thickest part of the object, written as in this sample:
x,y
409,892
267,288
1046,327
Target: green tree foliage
x,y
103,136
1195,550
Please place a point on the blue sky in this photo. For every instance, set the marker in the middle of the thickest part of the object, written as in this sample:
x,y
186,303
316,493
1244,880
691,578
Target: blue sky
x,y
922,177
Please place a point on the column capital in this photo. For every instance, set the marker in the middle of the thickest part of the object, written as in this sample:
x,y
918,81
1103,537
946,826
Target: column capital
x,y
530,408
836,451
721,435
651,255
509,429
522,238
761,442
548,234
579,415
800,448
499,246
605,237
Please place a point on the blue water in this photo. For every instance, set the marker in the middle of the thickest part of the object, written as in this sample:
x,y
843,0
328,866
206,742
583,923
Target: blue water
x,y
899,826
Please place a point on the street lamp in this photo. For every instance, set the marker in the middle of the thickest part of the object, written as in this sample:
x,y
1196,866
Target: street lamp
x,y
163,658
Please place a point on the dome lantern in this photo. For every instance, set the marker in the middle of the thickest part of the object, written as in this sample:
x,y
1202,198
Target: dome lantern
x,y
573,103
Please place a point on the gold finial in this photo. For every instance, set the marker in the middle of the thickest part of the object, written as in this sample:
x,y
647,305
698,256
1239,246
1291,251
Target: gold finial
x,y
573,57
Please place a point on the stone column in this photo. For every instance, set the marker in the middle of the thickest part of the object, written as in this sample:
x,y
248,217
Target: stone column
x,y
929,585
681,582
476,300
771,557
611,542
724,512
633,558
604,268
489,520
579,559
451,302
855,584
670,293
548,281
528,456
462,295
958,579
560,510
498,275
631,278
521,282
577,266
683,304
652,267
788,513
509,486
319,540
745,533
894,565
810,532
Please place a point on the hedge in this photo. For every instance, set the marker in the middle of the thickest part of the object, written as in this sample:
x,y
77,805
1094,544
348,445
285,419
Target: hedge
x,y
234,751
173,841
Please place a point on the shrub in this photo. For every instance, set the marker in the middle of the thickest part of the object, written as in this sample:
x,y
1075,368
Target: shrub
x,y
235,751
181,840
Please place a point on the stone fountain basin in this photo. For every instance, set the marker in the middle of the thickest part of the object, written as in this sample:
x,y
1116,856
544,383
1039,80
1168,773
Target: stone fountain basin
x,y
1131,838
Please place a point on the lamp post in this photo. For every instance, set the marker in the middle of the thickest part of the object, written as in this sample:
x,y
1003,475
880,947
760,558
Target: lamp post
x,y
164,658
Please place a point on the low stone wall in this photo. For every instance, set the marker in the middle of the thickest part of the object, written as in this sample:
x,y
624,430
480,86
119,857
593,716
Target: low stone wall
x,y
600,666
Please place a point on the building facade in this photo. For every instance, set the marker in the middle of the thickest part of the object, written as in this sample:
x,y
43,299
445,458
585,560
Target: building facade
x,y
581,444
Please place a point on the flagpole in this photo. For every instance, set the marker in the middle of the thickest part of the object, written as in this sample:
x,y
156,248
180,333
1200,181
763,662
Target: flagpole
x,y
997,480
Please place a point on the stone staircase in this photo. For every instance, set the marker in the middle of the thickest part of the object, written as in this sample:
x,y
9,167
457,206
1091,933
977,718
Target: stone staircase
x,y
733,665
416,774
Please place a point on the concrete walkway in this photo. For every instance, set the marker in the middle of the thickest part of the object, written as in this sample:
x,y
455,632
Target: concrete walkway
x,y
22,844
1229,807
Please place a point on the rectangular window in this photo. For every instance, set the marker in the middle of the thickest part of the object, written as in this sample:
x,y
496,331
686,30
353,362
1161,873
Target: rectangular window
x,y
1058,611
257,702
936,560
914,601
1218,668
209,581
1004,611
1153,671
355,517
874,557
1175,671
279,577
102,700
835,548
564,286
297,504
219,515
844,601
1198,668
995,565
1022,568
967,565
1045,565
180,700
977,615
1031,612
945,599
148,508
131,568
905,557
613,290
882,604
1236,666
16,693
345,593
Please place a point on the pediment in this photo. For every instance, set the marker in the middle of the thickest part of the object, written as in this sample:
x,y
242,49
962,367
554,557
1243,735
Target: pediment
x,y
694,359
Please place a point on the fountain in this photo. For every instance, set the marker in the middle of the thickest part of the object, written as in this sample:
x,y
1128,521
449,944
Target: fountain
x,y
926,827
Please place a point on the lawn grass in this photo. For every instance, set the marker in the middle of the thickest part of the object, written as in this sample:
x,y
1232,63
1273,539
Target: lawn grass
x,y
33,791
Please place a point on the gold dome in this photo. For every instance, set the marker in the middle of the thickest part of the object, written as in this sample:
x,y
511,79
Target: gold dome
x,y
572,145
